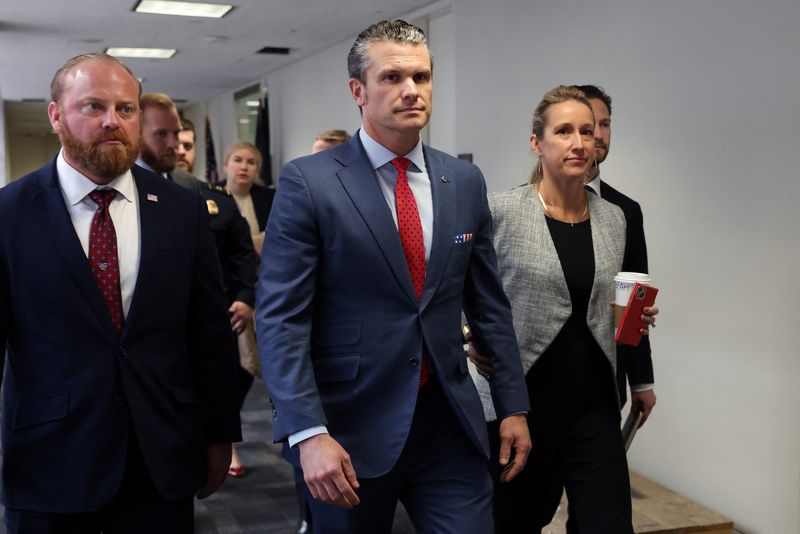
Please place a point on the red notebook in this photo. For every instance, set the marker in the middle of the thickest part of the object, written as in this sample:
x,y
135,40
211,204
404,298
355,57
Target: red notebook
x,y
631,323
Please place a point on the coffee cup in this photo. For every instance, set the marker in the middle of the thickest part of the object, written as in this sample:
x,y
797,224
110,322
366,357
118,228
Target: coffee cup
x,y
624,282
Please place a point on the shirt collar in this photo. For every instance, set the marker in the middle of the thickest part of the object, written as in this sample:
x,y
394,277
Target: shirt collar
x,y
140,162
595,184
76,186
379,155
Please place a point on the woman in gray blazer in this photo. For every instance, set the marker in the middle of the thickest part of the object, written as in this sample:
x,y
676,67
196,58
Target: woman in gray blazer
x,y
558,249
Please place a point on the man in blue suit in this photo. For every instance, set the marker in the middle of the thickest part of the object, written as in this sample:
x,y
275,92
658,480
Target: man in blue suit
x,y
375,246
118,357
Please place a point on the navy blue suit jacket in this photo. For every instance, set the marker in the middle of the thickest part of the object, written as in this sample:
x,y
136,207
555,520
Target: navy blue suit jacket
x,y
340,328
636,362
74,387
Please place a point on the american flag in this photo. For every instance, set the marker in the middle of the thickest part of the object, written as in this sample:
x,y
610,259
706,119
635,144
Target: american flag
x,y
212,175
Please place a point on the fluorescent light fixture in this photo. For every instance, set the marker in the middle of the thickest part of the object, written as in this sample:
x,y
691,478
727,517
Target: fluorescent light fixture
x,y
253,103
146,53
244,121
185,9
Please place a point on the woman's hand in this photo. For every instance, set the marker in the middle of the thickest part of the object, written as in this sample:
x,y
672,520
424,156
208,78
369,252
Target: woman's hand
x,y
649,317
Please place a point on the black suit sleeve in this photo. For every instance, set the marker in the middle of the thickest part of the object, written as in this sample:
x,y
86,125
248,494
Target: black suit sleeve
x,y
638,361
240,262
211,343
5,315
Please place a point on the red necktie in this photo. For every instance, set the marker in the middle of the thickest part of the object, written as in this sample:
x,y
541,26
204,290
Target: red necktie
x,y
103,255
410,229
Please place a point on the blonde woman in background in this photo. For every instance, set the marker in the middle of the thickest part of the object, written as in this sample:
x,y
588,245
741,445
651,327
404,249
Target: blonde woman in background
x,y
241,165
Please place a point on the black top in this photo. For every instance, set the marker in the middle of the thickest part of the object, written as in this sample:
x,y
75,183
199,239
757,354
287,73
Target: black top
x,y
574,360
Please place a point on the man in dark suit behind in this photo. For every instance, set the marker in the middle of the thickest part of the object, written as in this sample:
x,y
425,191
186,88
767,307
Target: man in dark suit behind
x,y
374,246
117,349
636,362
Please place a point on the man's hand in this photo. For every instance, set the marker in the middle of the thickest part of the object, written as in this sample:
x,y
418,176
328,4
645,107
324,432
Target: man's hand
x,y
219,459
328,472
514,435
482,363
646,400
241,315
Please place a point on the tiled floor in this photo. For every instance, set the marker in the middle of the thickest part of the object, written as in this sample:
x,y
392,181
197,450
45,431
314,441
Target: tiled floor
x,y
263,501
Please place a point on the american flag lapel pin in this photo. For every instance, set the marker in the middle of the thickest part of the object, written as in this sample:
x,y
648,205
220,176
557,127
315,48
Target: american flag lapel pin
x,y
152,198
460,239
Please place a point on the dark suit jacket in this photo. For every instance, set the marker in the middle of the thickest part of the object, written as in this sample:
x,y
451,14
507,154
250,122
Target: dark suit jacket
x,y
339,325
635,361
237,256
73,387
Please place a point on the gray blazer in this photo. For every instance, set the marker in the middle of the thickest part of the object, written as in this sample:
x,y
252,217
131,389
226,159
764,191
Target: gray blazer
x,y
534,280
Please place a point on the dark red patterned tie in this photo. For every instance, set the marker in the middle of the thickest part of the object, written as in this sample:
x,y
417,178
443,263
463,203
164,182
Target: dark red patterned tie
x,y
103,255
410,228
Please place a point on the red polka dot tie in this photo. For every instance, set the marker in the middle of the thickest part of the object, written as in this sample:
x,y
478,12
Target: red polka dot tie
x,y
410,229
103,255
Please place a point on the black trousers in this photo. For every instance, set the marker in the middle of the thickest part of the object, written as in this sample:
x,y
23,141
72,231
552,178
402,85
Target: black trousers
x,y
577,446
136,508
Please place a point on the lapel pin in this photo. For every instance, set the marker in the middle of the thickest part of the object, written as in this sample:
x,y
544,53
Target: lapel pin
x,y
152,198
444,179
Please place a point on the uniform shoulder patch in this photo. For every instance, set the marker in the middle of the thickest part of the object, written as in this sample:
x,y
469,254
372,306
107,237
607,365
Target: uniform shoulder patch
x,y
217,189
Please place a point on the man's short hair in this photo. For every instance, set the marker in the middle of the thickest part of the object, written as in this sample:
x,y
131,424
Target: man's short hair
x,y
57,84
187,125
156,100
397,31
334,136
595,91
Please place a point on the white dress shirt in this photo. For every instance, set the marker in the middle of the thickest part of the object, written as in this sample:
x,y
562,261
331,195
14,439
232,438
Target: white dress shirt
x,y
124,211
381,158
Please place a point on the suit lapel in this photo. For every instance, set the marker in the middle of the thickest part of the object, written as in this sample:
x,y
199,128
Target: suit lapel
x,y
444,221
359,181
149,222
58,226
605,244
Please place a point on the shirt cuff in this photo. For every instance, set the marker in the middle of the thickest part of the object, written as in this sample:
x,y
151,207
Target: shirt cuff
x,y
642,387
303,435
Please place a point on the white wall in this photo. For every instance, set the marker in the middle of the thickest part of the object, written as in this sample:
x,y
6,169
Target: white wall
x,y
308,97
705,123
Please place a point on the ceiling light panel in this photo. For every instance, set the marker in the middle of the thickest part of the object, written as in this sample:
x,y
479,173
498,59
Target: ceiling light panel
x,y
185,9
146,53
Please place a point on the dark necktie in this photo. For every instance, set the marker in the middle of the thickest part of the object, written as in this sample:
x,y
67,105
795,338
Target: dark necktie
x,y
103,257
410,229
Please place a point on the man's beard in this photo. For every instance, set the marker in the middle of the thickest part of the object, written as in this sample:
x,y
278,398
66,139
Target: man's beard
x,y
104,161
600,153
156,163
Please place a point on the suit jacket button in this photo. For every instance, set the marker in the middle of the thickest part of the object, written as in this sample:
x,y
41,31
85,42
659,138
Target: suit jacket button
x,y
413,362
123,352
